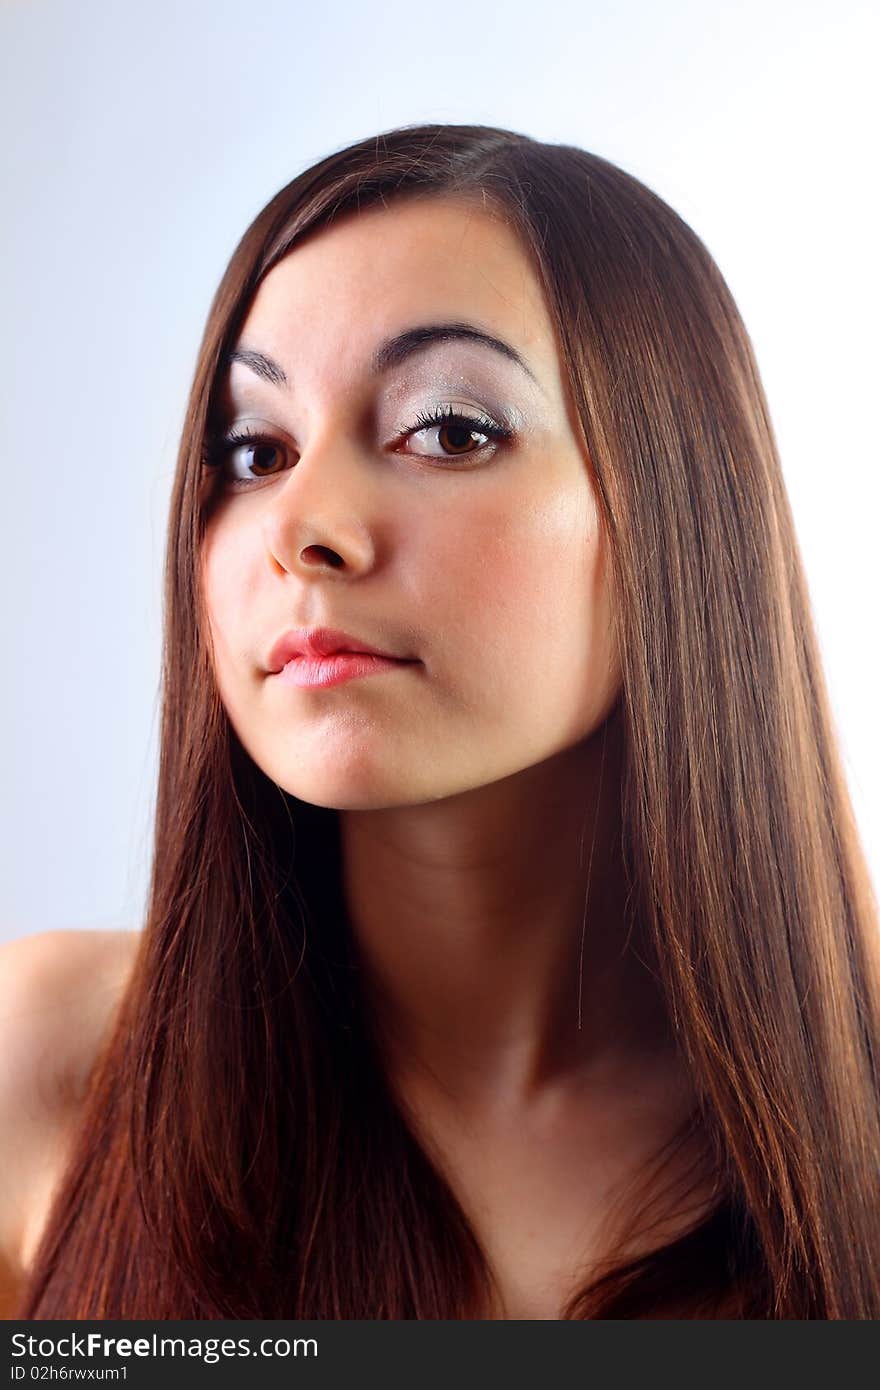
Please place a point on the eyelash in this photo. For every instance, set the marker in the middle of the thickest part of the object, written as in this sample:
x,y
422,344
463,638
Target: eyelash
x,y
217,449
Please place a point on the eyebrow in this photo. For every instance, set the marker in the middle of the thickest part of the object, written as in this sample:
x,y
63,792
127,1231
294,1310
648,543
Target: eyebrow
x,y
391,352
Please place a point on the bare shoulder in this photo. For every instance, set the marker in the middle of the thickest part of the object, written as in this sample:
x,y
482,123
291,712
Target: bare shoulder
x,y
58,994
58,990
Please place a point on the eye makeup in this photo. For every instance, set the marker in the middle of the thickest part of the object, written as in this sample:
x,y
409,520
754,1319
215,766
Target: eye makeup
x,y
456,427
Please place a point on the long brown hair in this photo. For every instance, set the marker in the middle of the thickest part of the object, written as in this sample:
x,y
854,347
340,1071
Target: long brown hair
x,y
240,1152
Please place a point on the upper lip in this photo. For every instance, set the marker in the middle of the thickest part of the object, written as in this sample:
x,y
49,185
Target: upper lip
x,y
318,642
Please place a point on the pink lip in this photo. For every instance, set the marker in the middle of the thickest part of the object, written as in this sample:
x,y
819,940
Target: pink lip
x,y
317,643
335,669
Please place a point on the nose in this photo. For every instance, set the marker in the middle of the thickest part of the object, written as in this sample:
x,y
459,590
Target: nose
x,y
317,520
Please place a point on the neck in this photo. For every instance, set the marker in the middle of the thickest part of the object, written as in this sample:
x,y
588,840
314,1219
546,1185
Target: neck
x,y
490,930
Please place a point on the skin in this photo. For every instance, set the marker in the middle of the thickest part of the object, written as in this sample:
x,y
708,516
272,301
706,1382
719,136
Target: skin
x,y
477,788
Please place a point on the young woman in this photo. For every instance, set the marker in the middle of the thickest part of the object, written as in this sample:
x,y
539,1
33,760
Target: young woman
x,y
525,964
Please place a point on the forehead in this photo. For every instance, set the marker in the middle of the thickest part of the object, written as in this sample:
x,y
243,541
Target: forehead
x,y
347,287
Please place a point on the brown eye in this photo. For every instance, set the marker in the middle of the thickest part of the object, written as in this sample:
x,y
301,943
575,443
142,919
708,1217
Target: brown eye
x,y
461,436
260,452
263,456
455,432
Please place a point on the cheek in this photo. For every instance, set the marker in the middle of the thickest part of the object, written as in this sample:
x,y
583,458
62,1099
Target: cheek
x,y
226,581
518,575
523,612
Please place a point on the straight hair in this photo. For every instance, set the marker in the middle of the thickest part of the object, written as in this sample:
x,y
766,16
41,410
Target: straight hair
x,y
240,1152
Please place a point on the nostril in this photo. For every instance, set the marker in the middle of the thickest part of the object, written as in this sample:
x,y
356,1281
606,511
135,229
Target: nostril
x,y
323,552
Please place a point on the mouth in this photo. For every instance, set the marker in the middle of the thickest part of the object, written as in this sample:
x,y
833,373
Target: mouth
x,y
317,643
319,672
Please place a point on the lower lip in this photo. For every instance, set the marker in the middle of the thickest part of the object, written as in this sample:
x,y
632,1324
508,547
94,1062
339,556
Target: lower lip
x,y
333,670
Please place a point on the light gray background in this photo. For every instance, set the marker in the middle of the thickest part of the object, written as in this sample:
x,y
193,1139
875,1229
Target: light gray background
x,y
140,140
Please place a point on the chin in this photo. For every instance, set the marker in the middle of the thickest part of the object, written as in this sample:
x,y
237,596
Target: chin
x,y
337,784
342,787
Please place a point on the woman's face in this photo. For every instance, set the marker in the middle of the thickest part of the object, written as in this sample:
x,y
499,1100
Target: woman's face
x,y
480,559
